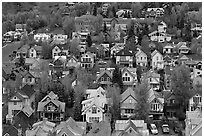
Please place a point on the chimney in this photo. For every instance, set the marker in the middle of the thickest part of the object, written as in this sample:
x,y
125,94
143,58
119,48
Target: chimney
x,y
19,130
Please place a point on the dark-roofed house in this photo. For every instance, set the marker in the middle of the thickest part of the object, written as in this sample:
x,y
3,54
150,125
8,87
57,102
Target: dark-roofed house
x,y
28,78
59,50
9,131
20,27
41,128
130,128
22,51
102,128
70,128
51,108
124,57
127,103
21,100
104,78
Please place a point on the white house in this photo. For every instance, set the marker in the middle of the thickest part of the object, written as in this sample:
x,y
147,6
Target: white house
x,y
62,39
35,51
159,36
195,102
93,108
157,60
141,58
168,49
60,50
183,49
72,61
154,80
42,37
87,60
162,27
156,104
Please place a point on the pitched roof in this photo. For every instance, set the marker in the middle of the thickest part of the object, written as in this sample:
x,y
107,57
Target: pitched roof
x,y
102,128
60,105
104,72
128,92
37,48
155,52
70,127
11,130
124,52
154,95
27,90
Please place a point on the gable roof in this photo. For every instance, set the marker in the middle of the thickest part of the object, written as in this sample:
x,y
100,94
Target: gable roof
x,y
60,105
27,90
124,52
128,70
155,52
102,128
104,72
140,52
154,95
70,127
11,130
128,92
132,125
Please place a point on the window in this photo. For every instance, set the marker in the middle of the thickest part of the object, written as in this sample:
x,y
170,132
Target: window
x,y
144,58
91,119
108,79
56,49
129,111
126,78
15,103
94,110
172,101
48,108
157,58
102,79
141,58
64,134
130,101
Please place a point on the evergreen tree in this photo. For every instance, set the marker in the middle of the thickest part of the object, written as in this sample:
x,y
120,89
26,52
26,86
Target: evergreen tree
x,y
131,30
114,11
95,10
117,78
139,72
89,40
21,60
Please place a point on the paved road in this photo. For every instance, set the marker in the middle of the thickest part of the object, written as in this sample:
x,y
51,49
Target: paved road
x,y
8,49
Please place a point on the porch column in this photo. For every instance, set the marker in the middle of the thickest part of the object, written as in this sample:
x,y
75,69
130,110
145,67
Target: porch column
x,y
52,116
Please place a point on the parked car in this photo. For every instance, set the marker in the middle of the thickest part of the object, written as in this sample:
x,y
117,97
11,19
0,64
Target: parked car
x,y
101,62
165,128
153,129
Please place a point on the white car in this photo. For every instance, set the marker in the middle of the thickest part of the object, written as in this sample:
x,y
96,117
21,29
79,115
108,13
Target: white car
x,y
165,128
153,129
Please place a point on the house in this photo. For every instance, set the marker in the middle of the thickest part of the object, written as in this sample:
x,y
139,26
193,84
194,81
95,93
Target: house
x,y
72,61
183,49
116,48
168,49
130,128
22,51
106,49
183,58
94,108
170,104
104,78
34,63
156,102
60,38
162,27
87,60
28,78
196,73
58,64
129,76
86,23
105,7
22,100
41,128
196,27
124,57
168,60
157,60
20,27
197,81
10,130
195,102
51,108
154,12
141,58
59,50
127,103
159,36
23,122
153,80
102,128
35,51
193,123
70,127
42,37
